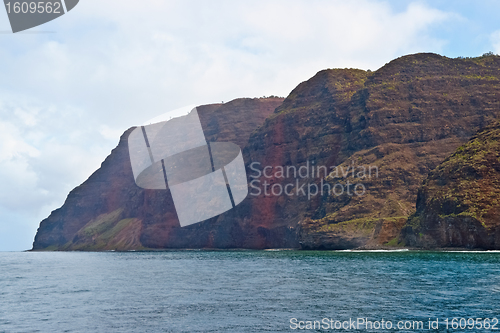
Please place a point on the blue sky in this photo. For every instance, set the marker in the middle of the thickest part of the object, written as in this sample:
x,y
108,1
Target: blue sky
x,y
469,33
69,88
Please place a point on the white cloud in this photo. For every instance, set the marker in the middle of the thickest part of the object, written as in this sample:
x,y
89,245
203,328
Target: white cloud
x,y
110,133
44,153
495,41
113,64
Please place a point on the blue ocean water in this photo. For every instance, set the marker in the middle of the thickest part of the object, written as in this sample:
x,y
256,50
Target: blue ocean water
x,y
244,291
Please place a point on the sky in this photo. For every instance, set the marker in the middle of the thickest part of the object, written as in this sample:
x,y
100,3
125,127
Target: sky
x,y
71,87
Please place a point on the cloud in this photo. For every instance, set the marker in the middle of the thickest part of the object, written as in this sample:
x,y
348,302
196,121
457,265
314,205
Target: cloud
x,y
44,153
66,97
166,54
495,41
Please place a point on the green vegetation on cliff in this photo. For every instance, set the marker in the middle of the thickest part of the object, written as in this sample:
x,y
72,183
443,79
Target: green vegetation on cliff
x,y
404,119
459,203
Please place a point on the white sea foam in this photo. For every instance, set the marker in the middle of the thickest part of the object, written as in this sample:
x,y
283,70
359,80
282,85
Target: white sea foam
x,y
398,250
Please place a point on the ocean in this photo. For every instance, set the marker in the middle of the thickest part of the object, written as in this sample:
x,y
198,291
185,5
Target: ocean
x,y
249,291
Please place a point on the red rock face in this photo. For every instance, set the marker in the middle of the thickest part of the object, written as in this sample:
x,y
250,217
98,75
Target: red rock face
x,y
404,119
98,214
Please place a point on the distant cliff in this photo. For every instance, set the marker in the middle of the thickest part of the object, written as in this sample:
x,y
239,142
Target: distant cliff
x,y
402,120
459,203
109,211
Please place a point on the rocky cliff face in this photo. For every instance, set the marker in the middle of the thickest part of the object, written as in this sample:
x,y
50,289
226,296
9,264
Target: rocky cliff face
x,y
109,211
403,119
397,123
458,205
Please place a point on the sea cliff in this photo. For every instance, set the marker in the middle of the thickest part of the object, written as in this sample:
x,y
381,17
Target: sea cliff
x,y
402,120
